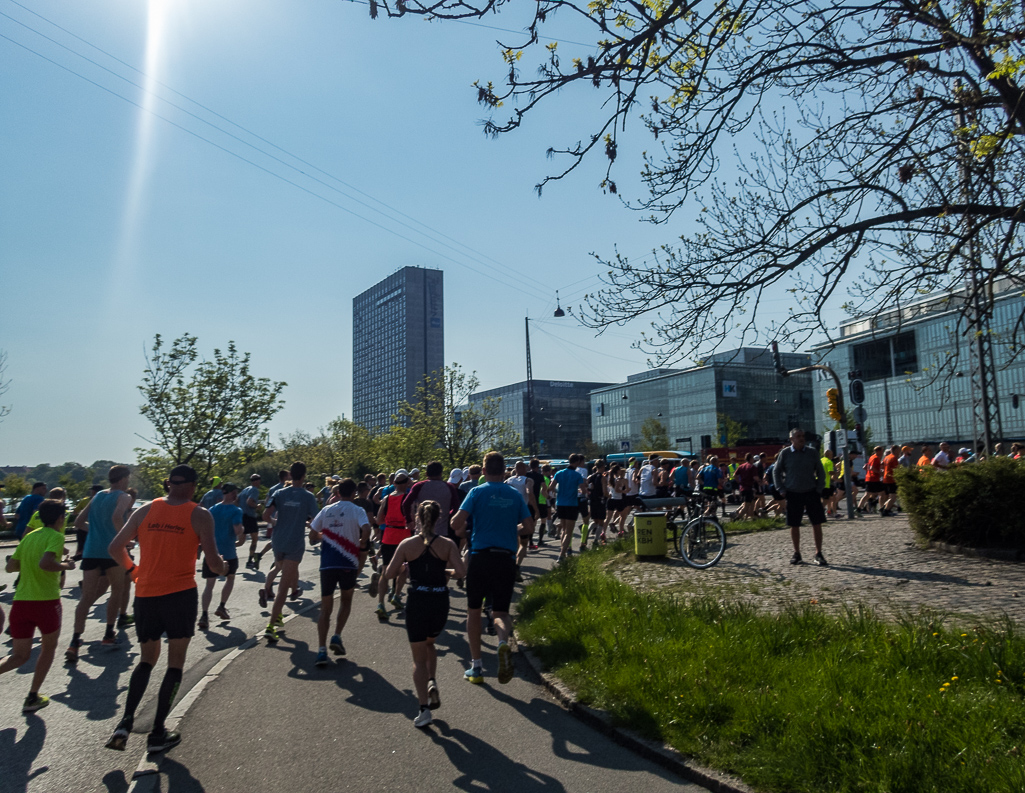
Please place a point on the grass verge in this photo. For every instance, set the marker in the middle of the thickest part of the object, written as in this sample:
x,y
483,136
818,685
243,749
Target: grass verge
x,y
799,701
755,524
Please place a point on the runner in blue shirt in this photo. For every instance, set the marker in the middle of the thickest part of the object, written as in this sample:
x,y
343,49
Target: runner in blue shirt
x,y
570,488
228,533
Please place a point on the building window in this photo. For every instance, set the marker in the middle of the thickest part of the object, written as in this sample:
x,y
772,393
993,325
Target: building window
x,y
882,358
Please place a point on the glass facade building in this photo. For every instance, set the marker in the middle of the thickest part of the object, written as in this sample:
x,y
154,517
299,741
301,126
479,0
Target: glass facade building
x,y
741,384
562,413
909,359
397,337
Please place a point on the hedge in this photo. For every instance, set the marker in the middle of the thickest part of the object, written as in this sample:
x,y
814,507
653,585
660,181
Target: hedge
x,y
975,504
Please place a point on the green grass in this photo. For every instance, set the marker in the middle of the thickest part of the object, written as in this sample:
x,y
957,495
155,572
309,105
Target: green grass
x,y
757,524
800,701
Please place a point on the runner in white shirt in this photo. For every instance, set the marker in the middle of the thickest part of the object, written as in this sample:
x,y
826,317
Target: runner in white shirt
x,y
525,487
647,483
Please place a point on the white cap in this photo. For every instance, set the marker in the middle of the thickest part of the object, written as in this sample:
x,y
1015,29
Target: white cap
x,y
456,476
402,472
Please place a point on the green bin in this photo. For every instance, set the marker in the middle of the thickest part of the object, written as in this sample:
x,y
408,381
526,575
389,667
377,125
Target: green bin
x,y
649,534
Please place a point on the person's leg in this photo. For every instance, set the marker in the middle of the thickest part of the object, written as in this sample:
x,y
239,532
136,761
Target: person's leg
x,y
432,660
229,584
795,537
344,609
126,596
149,654
177,649
473,632
816,530
420,671
566,526
116,579
47,649
90,592
327,605
208,594
21,651
268,585
502,624
289,580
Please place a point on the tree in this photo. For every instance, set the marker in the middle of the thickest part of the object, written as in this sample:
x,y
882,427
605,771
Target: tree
x,y
654,434
15,488
731,431
5,384
856,154
149,472
207,414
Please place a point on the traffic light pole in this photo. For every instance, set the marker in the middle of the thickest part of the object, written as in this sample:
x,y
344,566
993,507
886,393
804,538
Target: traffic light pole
x,y
784,372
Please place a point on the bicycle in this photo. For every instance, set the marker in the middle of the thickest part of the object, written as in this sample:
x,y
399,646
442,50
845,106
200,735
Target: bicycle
x,y
702,542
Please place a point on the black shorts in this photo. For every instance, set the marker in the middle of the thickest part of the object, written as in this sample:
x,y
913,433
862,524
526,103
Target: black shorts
x,y
232,568
95,563
710,493
387,552
799,503
491,574
827,492
598,511
542,510
890,487
336,577
875,487
566,513
775,494
682,492
249,524
426,614
615,504
748,496
582,509
173,614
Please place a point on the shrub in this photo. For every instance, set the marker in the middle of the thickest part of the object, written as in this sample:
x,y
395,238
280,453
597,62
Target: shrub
x,y
972,504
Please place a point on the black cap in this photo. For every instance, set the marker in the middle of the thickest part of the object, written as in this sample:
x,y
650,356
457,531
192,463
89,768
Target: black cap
x,y
185,472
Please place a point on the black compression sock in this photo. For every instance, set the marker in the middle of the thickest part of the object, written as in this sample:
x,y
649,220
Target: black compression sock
x,y
165,697
137,687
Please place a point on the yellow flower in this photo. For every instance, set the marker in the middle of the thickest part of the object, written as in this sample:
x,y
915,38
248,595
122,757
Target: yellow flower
x,y
954,677
935,634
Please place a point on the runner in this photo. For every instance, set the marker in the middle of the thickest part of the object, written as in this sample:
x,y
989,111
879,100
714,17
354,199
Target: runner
x,y
213,495
925,461
37,599
79,507
829,492
249,501
104,515
396,529
433,488
169,532
540,496
282,482
710,479
873,481
585,515
344,528
228,534
295,507
496,510
363,501
27,507
569,486
597,493
747,483
942,458
616,503
890,465
427,555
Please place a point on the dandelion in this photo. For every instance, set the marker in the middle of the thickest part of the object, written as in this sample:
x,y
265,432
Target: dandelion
x,y
954,677
935,634
964,634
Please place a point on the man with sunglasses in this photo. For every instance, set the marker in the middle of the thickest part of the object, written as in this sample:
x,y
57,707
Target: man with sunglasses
x,y
169,531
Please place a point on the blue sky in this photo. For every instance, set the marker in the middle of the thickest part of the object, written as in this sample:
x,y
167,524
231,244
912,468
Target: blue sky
x,y
116,225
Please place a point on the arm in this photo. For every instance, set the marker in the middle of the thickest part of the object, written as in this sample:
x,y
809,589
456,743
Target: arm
x,y
409,502
458,524
239,531
382,513
81,522
13,565
203,525
399,559
50,564
124,503
119,545
455,558
269,512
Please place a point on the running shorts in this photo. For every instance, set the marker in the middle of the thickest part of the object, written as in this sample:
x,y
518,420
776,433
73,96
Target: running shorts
x,y
710,493
542,511
336,577
598,511
891,487
582,508
661,492
491,574
387,552
682,492
615,505
232,568
27,615
748,496
426,614
292,556
173,614
567,513
97,563
827,492
874,487
249,524
799,503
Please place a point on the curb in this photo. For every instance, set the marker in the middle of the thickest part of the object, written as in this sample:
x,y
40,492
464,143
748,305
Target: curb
x,y
1000,554
659,753
146,776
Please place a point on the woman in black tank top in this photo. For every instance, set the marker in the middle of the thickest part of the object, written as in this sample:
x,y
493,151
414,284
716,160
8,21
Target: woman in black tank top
x,y
427,557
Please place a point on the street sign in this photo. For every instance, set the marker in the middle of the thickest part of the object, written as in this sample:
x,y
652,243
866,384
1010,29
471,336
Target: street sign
x,y
624,446
860,415
857,390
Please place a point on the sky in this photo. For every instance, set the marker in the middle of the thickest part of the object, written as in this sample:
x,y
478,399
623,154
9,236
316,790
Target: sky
x,y
260,164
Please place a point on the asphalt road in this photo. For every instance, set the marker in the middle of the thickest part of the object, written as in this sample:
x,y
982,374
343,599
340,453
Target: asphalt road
x,y
61,747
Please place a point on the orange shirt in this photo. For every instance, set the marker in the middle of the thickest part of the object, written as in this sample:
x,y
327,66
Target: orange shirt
x,y
924,461
890,464
168,548
874,469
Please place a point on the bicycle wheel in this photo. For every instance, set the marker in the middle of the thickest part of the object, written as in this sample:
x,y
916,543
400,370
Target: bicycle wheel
x,y
702,543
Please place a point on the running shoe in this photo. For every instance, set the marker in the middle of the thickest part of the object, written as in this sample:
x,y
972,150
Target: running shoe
x,y
460,583
222,612
125,620
396,600
263,598
505,663
295,594
381,612
204,622
336,645
119,740
475,675
321,658
373,562
423,718
256,561
270,634
519,576
34,702
796,559
820,560
374,579
71,654
109,639
162,741
433,697
532,546
279,622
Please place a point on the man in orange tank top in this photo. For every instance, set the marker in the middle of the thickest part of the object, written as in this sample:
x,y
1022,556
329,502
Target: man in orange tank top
x,y
169,531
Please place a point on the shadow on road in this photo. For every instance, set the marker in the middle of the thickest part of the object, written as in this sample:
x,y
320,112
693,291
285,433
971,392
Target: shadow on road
x,y
17,757
96,697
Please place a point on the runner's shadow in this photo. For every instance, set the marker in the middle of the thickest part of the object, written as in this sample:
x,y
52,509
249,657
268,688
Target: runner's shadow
x,y
216,641
910,575
97,697
178,778
115,782
483,767
17,757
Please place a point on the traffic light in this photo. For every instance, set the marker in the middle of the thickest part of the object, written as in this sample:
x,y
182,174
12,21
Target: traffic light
x,y
860,430
857,390
706,441
833,397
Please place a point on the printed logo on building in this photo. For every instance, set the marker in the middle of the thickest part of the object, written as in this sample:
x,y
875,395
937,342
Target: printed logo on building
x,y
599,409
729,388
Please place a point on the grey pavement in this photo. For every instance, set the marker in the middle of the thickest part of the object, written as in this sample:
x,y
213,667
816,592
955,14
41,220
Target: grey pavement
x,y
872,560
61,747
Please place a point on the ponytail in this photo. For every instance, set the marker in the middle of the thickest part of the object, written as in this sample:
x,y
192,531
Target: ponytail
x,y
427,515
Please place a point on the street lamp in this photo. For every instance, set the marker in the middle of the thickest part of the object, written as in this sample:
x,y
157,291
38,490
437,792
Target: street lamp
x,y
530,378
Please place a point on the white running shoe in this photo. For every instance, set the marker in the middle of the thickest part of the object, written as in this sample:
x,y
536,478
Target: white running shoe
x,y
423,718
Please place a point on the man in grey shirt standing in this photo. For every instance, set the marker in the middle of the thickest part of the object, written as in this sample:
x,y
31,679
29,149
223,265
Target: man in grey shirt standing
x,y
800,479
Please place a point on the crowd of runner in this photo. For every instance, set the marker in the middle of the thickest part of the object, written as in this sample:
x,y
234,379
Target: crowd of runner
x,y
474,527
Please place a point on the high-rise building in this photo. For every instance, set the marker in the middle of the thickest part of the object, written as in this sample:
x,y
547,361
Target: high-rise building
x,y
398,337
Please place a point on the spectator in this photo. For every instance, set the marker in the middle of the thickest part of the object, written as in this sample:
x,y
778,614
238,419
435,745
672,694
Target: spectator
x,y
800,479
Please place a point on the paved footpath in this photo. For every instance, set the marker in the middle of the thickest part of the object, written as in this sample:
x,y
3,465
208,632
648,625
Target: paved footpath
x,y
872,560
273,721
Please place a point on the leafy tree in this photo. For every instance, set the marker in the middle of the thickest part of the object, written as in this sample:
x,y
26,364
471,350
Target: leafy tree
x,y
730,429
654,434
16,488
858,154
149,472
207,414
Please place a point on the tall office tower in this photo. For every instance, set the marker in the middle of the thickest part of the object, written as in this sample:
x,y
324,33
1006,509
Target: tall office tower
x,y
398,336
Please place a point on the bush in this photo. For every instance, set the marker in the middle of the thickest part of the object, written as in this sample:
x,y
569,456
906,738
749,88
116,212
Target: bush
x,y
972,504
